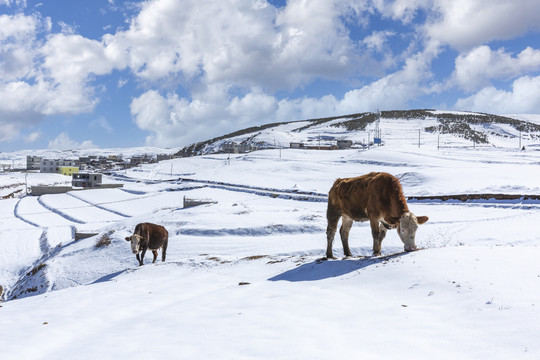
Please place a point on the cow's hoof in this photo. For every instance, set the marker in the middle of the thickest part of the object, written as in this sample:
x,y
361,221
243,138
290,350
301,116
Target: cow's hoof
x,y
376,254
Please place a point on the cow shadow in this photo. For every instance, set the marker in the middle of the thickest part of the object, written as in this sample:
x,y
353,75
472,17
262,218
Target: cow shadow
x,y
109,277
325,269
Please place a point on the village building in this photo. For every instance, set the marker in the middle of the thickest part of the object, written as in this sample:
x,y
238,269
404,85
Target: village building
x,y
235,148
86,180
161,157
53,166
33,162
344,144
68,170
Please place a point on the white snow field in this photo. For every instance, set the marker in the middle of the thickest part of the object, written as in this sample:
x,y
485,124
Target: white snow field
x,y
244,276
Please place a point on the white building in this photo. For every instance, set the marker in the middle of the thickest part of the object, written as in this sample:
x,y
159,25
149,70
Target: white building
x,y
86,180
53,166
33,162
344,144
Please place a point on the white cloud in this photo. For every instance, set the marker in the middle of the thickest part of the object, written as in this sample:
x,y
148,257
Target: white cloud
x,y
524,97
45,77
26,95
464,24
64,142
32,137
476,69
259,50
377,40
246,43
72,59
21,3
174,121
403,10
67,29
9,131
103,123
17,41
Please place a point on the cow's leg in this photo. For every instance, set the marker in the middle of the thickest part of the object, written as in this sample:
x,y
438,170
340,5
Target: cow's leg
x,y
155,256
346,224
376,233
143,251
382,234
333,218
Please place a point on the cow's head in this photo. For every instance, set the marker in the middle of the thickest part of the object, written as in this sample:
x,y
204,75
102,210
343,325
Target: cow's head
x,y
135,242
407,226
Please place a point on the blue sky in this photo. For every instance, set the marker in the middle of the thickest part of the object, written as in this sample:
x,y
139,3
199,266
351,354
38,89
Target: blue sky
x,y
167,73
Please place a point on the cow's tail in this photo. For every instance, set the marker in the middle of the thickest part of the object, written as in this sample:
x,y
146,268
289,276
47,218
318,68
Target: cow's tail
x,y
332,212
165,244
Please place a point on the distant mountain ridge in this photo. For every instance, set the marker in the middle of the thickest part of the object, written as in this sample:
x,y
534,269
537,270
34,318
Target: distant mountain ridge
x,y
474,127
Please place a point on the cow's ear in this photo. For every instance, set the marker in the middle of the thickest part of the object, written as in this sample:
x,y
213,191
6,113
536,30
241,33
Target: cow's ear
x,y
422,219
128,239
394,221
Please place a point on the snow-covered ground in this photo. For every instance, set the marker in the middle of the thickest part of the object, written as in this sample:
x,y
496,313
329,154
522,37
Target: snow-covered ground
x,y
244,277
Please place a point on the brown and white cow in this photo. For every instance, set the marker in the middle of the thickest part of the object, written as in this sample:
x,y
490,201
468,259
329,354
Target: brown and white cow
x,y
377,197
148,236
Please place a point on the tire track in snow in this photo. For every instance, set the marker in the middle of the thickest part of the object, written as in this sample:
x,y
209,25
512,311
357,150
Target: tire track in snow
x,y
20,217
255,231
59,212
261,191
100,205
298,195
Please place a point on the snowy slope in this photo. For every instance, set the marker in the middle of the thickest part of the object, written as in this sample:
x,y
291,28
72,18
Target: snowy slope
x,y
441,129
244,276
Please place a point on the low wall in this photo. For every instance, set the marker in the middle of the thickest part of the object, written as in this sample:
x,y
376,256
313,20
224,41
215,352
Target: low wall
x,y
196,202
469,197
106,186
44,190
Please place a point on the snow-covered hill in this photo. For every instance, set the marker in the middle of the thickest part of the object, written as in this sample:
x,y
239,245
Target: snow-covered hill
x,y
244,277
429,127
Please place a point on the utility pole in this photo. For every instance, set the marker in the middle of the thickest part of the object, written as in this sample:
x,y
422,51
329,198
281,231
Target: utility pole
x,y
378,128
419,138
520,139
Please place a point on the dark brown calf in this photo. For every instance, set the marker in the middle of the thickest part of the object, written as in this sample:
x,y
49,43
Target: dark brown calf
x,y
148,236
376,197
